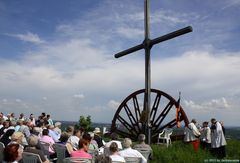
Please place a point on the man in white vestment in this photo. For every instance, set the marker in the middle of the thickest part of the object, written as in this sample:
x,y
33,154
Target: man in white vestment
x,y
218,141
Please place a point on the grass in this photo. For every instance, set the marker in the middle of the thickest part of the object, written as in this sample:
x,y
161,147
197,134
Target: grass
x,y
184,153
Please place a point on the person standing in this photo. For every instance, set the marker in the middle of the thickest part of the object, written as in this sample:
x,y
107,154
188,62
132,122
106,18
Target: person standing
x,y
192,134
218,141
205,136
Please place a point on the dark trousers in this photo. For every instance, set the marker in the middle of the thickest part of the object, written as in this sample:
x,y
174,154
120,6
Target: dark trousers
x,y
220,152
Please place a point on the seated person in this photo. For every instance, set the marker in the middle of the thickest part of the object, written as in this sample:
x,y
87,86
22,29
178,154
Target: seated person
x,y
53,134
114,138
74,139
32,148
97,137
83,150
48,139
17,138
92,149
93,144
143,145
5,139
12,153
129,152
114,153
103,159
63,140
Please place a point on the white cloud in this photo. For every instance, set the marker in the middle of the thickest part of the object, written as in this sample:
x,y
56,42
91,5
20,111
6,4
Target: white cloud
x,y
79,96
169,17
28,37
4,101
18,100
213,104
113,104
130,32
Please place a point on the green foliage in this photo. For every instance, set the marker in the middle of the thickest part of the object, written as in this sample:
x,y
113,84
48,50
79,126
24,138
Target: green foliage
x,y
84,122
183,153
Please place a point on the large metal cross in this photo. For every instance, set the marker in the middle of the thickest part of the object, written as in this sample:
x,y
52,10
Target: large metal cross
x,y
147,44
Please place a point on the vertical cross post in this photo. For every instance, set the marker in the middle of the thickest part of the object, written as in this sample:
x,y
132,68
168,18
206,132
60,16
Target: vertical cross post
x,y
147,45
147,95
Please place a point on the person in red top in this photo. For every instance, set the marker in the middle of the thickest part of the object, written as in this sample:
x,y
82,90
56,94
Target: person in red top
x,y
83,149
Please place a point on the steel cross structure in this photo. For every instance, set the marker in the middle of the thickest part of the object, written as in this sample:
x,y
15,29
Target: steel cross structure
x,y
147,44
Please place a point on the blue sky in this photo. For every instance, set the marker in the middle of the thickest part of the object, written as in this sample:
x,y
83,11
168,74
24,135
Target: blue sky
x,y
57,56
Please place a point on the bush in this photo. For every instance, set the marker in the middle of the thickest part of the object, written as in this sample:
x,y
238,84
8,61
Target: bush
x,y
84,123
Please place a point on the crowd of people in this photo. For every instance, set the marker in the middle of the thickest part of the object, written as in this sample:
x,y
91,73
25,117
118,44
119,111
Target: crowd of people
x,y
211,137
26,134
23,133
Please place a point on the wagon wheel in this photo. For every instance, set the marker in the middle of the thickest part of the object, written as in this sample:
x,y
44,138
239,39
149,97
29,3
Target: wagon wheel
x,y
126,121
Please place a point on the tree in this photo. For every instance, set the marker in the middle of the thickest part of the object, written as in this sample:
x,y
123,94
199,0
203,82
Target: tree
x,y
84,122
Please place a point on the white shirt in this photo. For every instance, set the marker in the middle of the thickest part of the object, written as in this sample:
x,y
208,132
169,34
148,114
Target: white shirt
x,y
74,140
206,134
129,152
191,132
116,157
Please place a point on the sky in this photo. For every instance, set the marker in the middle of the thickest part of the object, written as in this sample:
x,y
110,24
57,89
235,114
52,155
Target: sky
x,y
58,56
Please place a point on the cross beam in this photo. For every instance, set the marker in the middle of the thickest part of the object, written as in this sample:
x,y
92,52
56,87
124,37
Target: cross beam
x,y
147,44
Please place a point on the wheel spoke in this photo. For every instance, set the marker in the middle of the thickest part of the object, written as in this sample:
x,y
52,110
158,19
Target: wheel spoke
x,y
136,107
126,125
130,115
163,114
155,107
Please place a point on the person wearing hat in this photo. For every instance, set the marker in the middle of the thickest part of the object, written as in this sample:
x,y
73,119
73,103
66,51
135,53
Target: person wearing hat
x,y
97,137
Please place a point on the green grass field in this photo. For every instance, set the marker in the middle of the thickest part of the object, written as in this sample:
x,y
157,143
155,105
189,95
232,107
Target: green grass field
x,y
184,153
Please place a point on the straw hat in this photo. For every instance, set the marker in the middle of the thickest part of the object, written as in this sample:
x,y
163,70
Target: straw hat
x,y
96,130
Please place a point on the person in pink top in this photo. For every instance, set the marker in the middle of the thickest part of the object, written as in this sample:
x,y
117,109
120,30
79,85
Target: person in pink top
x,y
83,148
47,139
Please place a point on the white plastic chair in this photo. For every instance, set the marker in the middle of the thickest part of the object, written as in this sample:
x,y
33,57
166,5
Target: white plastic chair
x,y
133,159
165,137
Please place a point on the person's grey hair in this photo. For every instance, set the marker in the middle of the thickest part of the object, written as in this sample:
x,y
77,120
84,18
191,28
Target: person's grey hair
x,y
141,137
57,124
127,142
33,141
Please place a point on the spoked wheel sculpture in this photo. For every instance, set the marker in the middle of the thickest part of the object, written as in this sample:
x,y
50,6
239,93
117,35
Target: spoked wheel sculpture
x,y
127,119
